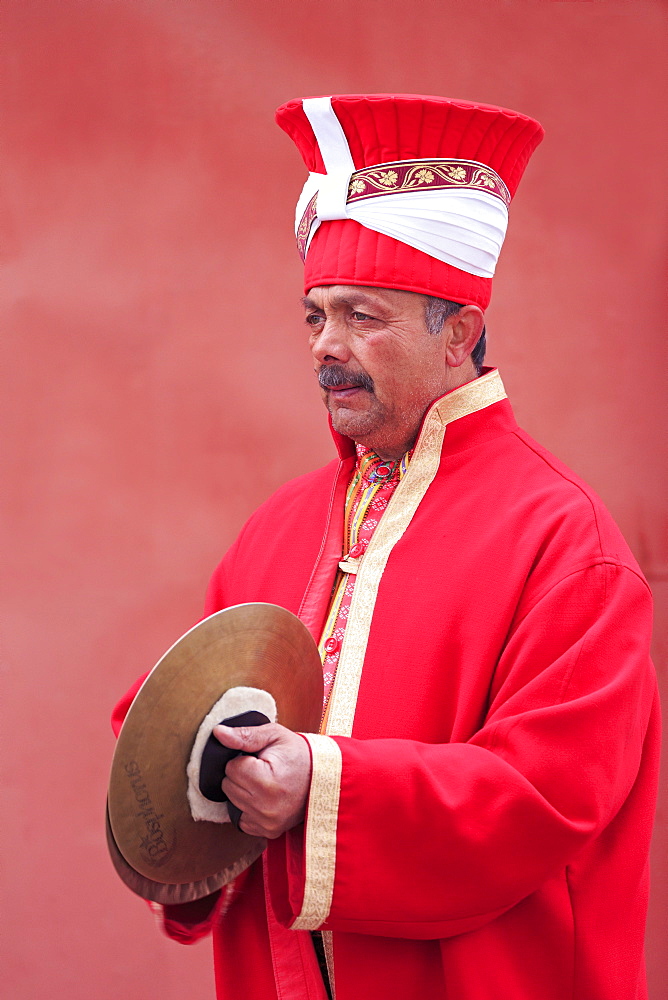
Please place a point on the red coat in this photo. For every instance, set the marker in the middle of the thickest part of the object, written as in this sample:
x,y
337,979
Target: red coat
x,y
481,830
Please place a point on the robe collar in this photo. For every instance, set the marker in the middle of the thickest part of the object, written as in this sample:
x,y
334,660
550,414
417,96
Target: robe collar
x,y
453,405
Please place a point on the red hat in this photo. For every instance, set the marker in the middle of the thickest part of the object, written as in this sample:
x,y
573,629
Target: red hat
x,y
405,191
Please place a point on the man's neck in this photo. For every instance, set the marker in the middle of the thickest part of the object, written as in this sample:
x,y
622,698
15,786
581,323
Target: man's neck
x,y
456,377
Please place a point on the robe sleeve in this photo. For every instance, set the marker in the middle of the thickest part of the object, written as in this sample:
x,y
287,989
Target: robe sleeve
x,y
188,922
414,840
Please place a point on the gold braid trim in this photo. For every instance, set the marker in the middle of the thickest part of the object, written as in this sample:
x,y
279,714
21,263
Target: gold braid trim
x,y
407,497
320,845
323,804
328,946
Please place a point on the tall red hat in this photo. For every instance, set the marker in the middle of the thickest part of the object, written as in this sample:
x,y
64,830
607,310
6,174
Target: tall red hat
x,y
405,191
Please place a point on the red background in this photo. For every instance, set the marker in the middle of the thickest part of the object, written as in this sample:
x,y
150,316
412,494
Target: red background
x,y
156,384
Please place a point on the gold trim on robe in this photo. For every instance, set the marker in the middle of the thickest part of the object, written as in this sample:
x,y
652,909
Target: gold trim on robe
x,y
320,833
320,837
407,497
328,945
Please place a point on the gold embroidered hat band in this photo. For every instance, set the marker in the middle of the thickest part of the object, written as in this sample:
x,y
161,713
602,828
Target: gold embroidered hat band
x,y
406,191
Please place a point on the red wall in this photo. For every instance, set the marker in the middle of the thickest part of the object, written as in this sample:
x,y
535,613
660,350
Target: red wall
x,y
156,383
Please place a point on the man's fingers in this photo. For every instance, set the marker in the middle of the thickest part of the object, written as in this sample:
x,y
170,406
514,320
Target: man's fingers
x,y
260,817
270,787
247,772
237,794
250,739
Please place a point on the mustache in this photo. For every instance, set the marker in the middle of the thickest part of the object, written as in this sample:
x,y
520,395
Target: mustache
x,y
333,376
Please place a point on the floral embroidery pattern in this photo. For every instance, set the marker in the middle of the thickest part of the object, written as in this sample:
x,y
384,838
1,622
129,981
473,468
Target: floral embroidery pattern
x,y
426,176
356,186
388,177
412,175
305,225
457,173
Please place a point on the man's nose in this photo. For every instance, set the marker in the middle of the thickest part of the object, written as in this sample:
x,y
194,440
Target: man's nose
x,y
331,343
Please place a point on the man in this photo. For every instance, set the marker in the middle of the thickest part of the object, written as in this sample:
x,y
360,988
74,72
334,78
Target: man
x,y
473,819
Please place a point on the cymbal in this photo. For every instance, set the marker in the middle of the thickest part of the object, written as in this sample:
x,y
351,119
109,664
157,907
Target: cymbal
x,y
154,840
178,892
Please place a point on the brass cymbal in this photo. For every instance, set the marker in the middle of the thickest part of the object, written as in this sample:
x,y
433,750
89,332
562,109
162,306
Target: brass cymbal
x,y
178,892
150,824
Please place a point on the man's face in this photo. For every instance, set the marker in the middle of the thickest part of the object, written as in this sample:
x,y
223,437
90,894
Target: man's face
x,y
378,366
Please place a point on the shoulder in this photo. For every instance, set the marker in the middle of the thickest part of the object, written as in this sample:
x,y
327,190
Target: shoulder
x,y
565,502
522,501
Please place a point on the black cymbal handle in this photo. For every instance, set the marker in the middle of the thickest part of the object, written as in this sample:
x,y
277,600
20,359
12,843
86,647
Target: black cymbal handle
x,y
235,814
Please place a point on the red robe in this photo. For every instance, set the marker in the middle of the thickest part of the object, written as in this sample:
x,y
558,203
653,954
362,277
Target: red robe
x,y
481,829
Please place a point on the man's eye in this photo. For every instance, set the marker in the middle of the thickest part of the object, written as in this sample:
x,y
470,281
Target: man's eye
x,y
313,319
360,316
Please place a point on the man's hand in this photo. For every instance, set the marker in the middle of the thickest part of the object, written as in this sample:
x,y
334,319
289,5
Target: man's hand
x,y
270,789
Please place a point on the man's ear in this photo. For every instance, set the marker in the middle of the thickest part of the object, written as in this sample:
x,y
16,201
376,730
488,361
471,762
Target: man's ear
x,y
464,329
